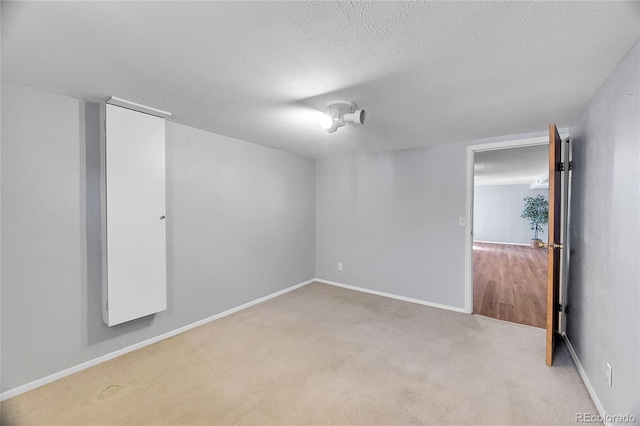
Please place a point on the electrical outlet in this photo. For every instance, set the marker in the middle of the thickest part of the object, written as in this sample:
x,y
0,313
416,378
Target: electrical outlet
x,y
340,266
607,373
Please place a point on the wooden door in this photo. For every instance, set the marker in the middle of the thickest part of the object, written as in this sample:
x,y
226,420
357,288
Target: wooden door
x,y
554,245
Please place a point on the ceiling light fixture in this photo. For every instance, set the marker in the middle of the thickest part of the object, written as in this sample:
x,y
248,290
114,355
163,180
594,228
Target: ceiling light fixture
x,y
337,113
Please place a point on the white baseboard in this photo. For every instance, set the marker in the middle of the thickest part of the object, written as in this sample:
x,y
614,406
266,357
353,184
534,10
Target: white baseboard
x,y
59,375
500,242
585,379
393,296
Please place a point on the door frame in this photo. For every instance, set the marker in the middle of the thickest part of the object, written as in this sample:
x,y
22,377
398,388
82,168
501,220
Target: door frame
x,y
471,150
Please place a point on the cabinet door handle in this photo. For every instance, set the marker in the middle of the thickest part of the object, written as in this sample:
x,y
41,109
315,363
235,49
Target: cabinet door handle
x,y
163,217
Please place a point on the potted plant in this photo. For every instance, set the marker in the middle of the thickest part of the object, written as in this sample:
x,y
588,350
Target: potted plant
x,y
536,210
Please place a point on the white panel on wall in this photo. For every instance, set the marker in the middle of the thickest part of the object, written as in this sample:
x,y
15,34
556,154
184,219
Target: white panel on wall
x,y
134,246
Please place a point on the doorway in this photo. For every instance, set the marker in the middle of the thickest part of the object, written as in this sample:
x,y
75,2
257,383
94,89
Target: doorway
x,y
506,276
509,271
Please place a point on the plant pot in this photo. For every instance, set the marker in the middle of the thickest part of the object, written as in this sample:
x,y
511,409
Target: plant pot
x,y
535,243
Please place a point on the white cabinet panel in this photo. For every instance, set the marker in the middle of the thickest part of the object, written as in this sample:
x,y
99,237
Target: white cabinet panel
x,y
134,271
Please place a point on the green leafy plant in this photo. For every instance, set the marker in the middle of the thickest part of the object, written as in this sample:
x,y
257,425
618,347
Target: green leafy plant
x,y
536,210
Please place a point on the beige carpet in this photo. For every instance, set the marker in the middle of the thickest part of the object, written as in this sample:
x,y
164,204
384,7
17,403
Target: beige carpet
x,y
323,355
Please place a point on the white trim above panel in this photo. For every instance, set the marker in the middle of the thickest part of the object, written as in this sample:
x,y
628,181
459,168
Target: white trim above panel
x,y
137,107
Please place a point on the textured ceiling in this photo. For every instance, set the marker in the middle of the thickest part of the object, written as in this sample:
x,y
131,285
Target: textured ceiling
x,y
425,72
511,166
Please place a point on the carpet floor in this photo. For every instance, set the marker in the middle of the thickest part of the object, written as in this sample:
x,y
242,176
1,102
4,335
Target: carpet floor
x,y
323,355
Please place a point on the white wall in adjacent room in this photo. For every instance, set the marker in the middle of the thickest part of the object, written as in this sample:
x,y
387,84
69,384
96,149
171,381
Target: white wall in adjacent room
x,y
496,214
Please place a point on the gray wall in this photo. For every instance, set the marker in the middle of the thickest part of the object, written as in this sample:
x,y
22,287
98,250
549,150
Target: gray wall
x,y
240,225
497,210
392,219
603,324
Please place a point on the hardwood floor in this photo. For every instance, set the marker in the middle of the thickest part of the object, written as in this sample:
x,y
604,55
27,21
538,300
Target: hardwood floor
x,y
510,283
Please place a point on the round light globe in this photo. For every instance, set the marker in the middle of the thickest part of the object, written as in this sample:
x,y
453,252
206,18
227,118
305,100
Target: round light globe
x,y
325,121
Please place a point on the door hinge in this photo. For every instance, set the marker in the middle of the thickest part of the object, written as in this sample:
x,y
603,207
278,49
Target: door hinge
x,y
560,307
562,168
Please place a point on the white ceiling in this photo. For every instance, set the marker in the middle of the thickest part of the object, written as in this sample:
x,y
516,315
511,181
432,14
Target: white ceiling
x,y
425,72
512,166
